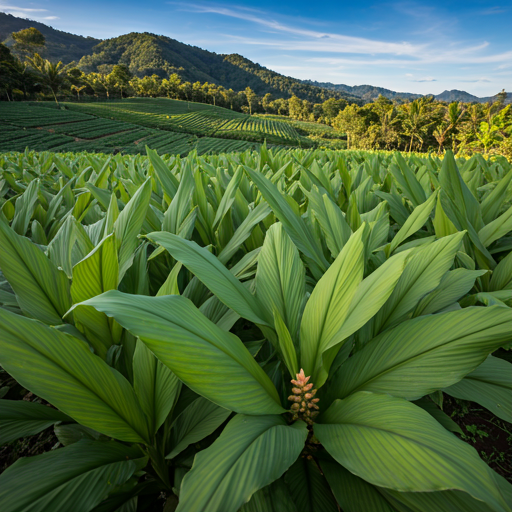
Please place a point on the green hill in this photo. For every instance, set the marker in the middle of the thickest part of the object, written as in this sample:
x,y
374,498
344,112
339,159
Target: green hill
x,y
59,45
147,54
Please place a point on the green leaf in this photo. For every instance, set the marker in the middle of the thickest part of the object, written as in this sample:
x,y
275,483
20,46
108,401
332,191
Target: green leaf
x,y
228,197
215,276
98,272
390,442
454,285
502,275
24,209
295,227
155,385
353,493
490,385
62,370
286,345
425,354
272,498
329,304
309,488
496,229
250,453
164,175
422,274
42,290
128,225
281,278
170,287
197,421
20,419
210,361
414,222
75,478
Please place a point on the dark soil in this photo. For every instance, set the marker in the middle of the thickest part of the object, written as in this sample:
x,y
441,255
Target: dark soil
x,y
489,435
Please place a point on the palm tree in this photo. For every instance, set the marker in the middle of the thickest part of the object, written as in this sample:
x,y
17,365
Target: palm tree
x,y
49,74
78,90
416,120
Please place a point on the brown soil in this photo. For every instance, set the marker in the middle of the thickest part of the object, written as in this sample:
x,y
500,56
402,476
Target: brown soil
x,y
489,435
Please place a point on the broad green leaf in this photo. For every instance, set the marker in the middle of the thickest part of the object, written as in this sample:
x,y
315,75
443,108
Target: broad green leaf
x,y
502,275
98,272
197,421
20,419
210,361
42,290
155,385
329,304
331,220
273,498
353,493
128,226
24,209
454,285
75,478
228,197
309,488
62,370
180,204
422,355
244,231
280,278
490,385
391,443
215,276
496,229
414,222
286,345
164,175
434,411
443,226
170,286
295,227
250,453
423,272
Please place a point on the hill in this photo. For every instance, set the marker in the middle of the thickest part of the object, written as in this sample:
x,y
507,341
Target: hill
x,y
59,45
147,54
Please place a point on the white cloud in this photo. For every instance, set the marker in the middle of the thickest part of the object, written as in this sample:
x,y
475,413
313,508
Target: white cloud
x,y
21,9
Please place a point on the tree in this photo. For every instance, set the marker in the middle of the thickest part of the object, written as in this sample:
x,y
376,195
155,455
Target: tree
x,y
28,41
252,99
78,89
267,102
49,74
120,76
415,120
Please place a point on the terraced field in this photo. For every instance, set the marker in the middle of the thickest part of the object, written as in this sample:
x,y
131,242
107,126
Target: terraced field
x,y
44,127
194,118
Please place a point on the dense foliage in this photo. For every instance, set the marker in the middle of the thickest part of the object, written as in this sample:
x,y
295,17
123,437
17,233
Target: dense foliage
x,y
265,331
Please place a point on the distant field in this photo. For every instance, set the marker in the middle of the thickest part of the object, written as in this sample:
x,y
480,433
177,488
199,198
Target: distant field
x,y
44,127
321,134
194,118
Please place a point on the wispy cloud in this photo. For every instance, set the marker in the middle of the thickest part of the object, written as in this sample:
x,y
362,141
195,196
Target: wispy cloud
x,y
21,12
355,50
426,79
493,10
21,9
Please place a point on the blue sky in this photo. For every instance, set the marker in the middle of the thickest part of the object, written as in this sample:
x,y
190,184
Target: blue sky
x,y
421,47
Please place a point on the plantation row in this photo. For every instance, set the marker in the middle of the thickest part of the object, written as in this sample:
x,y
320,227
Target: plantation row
x,y
194,118
261,331
42,128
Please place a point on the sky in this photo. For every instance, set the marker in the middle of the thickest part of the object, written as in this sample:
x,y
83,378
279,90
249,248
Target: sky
x,y
407,46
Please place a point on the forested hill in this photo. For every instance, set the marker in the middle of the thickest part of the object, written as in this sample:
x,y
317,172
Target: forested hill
x,y
147,54
59,45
